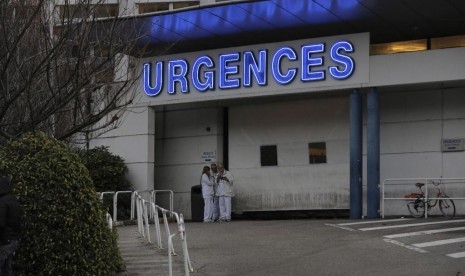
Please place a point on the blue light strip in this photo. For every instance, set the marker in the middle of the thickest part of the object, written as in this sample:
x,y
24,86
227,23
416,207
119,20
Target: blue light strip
x,y
247,18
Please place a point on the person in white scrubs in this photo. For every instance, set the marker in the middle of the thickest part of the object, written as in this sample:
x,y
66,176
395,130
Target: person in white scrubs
x,y
216,199
207,193
225,192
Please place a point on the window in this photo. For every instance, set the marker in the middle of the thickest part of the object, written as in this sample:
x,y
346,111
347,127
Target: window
x,y
180,5
317,152
69,12
107,10
153,7
165,6
268,155
447,42
398,47
85,11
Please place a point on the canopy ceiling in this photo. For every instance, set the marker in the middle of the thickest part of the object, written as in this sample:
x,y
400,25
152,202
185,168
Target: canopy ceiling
x,y
254,22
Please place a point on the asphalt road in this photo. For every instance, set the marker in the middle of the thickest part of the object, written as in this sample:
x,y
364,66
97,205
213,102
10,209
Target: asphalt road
x,y
328,247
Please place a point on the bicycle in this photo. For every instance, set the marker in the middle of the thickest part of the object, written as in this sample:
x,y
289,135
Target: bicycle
x,y
417,207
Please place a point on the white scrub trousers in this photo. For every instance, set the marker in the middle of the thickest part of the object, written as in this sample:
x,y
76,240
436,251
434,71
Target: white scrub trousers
x,y
225,208
208,209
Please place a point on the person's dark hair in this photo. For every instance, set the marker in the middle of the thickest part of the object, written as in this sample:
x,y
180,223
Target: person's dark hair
x,y
5,185
205,169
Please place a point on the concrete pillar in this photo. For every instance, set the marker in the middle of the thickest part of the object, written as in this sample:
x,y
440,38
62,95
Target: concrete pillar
x,y
356,161
134,141
373,155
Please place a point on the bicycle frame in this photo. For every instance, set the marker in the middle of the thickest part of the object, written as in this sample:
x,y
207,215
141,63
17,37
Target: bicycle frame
x,y
423,201
436,200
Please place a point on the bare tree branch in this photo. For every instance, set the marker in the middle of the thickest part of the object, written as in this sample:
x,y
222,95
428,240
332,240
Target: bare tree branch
x,y
57,68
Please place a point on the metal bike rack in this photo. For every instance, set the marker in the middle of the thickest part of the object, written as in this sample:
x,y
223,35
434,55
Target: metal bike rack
x,y
411,181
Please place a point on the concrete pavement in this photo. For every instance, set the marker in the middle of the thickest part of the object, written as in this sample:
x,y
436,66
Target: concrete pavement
x,y
314,247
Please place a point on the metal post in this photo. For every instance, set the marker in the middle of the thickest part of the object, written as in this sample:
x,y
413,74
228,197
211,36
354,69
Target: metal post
x,y
426,198
356,161
115,207
373,155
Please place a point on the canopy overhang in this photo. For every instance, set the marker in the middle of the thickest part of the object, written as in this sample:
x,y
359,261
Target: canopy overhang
x,y
254,22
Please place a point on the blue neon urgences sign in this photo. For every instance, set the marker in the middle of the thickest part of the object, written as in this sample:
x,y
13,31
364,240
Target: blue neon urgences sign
x,y
313,62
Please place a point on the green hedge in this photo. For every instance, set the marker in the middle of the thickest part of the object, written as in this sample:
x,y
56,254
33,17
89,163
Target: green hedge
x,y
64,231
108,172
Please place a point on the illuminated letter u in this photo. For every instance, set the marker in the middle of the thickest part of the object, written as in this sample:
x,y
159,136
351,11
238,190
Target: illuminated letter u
x,y
149,88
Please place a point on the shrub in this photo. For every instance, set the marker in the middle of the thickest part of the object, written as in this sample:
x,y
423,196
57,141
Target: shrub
x,y
64,231
108,172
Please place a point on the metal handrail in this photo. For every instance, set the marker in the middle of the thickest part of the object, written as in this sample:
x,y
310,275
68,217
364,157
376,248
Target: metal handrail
x,y
153,197
108,218
143,227
157,225
115,204
149,192
423,180
109,221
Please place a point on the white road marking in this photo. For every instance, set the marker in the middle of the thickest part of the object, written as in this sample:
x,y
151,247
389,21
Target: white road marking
x,y
341,227
373,221
439,242
410,225
457,255
405,245
418,233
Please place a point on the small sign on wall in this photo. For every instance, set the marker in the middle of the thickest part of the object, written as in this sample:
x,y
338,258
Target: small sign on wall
x,y
209,156
453,144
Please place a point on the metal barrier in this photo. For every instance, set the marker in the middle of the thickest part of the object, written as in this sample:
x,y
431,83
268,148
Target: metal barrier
x,y
143,222
154,197
109,221
133,199
406,185
115,203
102,194
147,210
151,197
108,218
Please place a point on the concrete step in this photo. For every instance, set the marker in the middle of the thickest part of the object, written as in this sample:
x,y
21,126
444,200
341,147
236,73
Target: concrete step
x,y
142,258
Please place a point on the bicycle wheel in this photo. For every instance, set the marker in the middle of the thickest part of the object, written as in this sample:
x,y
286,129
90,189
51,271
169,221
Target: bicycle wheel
x,y
416,208
447,207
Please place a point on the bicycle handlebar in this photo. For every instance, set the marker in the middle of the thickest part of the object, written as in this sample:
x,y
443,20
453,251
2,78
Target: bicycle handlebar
x,y
437,183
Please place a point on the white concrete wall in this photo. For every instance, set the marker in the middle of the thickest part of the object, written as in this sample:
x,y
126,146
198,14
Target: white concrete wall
x,y
417,67
412,126
294,184
181,139
134,141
